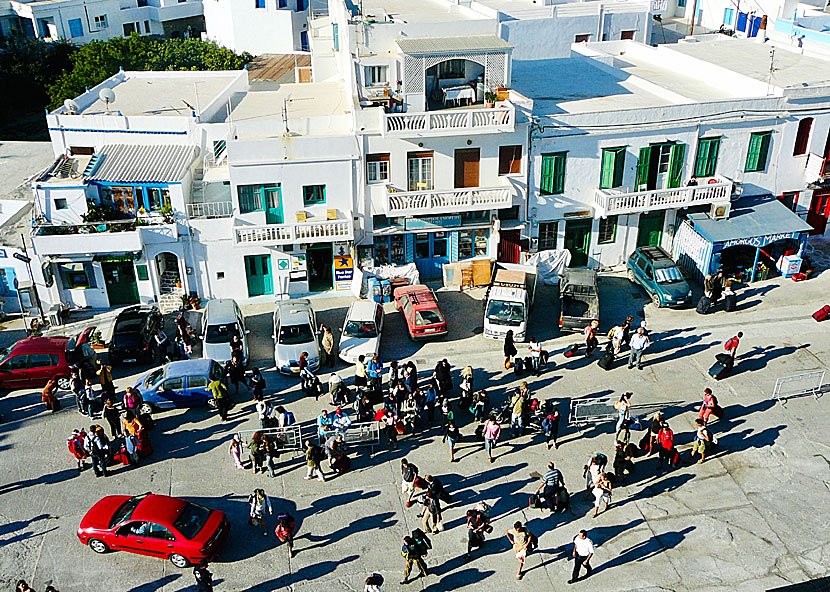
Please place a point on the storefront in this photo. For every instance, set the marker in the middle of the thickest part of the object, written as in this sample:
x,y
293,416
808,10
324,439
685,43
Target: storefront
x,y
761,237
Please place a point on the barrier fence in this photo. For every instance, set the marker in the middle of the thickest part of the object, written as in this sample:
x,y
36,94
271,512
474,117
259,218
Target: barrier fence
x,y
599,409
287,439
797,385
358,434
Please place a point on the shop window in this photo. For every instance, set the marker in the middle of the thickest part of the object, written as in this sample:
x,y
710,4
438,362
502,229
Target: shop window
x,y
802,138
552,181
77,275
611,167
756,154
439,244
422,246
314,194
706,160
548,232
377,168
510,160
61,203
451,69
472,243
607,230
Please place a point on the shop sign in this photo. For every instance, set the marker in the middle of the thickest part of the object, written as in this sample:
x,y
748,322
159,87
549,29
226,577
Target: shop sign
x,y
432,222
298,263
760,241
341,249
343,272
283,264
580,214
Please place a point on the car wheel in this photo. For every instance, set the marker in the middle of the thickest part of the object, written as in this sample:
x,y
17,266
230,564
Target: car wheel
x,y
98,545
145,409
179,561
655,300
631,277
64,383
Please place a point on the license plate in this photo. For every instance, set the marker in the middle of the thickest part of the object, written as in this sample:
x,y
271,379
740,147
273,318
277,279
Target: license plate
x,y
128,360
433,330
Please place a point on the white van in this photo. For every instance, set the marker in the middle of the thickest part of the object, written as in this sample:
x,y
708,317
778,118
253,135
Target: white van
x,y
222,320
295,329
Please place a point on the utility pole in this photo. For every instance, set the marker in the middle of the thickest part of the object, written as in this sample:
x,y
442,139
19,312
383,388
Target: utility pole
x,y
28,260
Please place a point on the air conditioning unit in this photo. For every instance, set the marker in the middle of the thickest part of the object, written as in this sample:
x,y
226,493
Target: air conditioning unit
x,y
720,211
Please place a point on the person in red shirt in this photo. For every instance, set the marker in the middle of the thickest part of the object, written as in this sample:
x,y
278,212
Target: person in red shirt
x,y
666,439
285,531
708,405
731,346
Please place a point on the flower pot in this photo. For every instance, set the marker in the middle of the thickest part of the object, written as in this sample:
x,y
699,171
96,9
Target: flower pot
x,y
489,105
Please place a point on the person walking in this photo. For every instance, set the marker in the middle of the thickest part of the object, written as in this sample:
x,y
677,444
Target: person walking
x,y
286,525
590,333
414,555
361,379
452,434
520,538
623,407
257,385
313,457
375,371
235,450
731,345
552,483
703,439
430,397
104,373
491,433
535,348
75,443
707,407
162,344
113,418
466,387
478,523
665,439
443,378
550,426
517,405
582,553
99,450
432,512
78,389
510,350
327,343
259,503
204,579
220,397
409,473
638,342
602,492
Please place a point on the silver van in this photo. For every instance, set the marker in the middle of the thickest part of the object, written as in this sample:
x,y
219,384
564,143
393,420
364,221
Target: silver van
x,y
222,320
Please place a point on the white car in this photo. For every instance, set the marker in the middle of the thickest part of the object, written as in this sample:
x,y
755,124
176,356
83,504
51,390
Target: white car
x,y
294,333
361,331
222,320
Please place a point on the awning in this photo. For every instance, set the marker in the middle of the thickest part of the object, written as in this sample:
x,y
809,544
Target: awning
x,y
122,163
450,45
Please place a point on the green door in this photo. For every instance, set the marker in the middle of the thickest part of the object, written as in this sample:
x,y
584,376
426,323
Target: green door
x,y
578,240
258,274
651,229
273,206
119,277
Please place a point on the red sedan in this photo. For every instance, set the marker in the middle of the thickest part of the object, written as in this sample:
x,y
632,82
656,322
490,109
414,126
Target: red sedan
x,y
155,525
420,309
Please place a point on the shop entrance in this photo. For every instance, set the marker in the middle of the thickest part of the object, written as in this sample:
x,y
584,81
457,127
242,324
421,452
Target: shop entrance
x,y
819,211
320,262
258,274
578,240
431,253
119,277
650,232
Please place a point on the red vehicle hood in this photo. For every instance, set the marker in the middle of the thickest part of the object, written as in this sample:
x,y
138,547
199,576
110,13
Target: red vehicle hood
x,y
100,514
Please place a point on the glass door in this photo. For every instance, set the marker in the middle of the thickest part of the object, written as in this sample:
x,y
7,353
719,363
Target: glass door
x,y
273,205
420,173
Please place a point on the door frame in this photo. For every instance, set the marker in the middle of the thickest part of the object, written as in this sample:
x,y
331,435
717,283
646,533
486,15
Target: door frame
x,y
651,216
427,263
588,224
266,273
321,248
460,162
269,211
129,266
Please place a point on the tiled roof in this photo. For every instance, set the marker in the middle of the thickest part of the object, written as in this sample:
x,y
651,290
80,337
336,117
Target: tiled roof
x,y
143,164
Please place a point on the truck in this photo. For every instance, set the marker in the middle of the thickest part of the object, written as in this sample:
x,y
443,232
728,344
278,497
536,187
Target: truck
x,y
508,300
579,299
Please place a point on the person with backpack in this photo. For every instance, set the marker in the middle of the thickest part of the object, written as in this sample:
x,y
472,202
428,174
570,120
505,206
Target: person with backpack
x,y
204,579
285,531
665,439
510,350
414,554
221,397
703,439
550,426
258,503
520,538
99,450
75,443
478,523
313,457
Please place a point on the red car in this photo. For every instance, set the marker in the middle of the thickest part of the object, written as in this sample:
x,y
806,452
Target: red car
x,y
155,525
420,309
32,361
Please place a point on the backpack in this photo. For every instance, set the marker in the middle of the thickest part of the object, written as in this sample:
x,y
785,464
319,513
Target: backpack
x,y
374,580
601,458
422,542
289,418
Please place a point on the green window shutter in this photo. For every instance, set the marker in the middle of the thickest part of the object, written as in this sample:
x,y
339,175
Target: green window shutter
x,y
559,172
642,166
619,167
611,167
546,181
756,155
678,155
707,157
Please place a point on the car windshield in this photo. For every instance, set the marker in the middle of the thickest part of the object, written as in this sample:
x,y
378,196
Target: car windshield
x,y
153,376
125,511
192,520
221,333
361,329
505,313
295,334
428,317
4,354
668,275
127,339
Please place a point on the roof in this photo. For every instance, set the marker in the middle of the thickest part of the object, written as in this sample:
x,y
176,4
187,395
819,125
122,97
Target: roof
x,y
46,345
297,309
221,310
277,67
363,310
460,44
188,367
409,12
159,508
143,164
753,217
657,256
582,277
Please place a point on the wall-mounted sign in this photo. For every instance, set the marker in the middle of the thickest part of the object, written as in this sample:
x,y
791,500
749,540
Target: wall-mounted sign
x,y
760,241
580,214
283,264
343,272
298,263
432,222
341,249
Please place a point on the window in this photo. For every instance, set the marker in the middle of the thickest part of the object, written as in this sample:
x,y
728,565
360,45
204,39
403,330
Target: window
x,y
452,69
611,173
282,3
510,160
681,3
552,181
100,22
511,213
728,16
314,194
18,362
377,168
582,38
76,28
61,204
420,171
756,154
129,29
195,382
547,235
157,198
302,5
147,27
607,230
259,3
42,360
802,138
191,520
627,34
335,33
375,75
76,275
707,157
251,197
472,243
422,246
157,531
789,199
173,384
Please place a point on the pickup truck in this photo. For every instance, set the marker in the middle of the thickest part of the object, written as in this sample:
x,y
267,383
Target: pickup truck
x,y
579,299
509,300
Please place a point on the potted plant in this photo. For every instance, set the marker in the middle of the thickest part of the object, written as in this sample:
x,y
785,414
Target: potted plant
x,y
185,301
96,340
167,214
490,99
196,302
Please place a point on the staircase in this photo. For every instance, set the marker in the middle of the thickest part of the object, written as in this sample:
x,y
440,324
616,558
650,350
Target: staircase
x,y
169,293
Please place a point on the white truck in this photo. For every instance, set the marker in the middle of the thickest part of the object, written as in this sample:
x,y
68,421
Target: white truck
x,y
509,300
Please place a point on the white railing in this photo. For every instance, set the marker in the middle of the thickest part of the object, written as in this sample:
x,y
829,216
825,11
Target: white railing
x,y
403,203
498,119
301,232
210,209
608,202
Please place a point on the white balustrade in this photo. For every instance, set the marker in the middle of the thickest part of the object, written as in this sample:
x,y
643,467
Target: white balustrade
x,y
446,202
301,232
444,122
608,202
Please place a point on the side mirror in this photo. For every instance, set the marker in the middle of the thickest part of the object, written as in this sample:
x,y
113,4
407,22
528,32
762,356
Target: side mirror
x,y
247,331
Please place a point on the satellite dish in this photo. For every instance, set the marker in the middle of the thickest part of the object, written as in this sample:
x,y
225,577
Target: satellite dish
x,y
108,96
71,106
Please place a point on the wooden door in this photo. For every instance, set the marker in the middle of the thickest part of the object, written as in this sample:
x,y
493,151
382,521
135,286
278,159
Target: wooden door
x,y
819,211
466,167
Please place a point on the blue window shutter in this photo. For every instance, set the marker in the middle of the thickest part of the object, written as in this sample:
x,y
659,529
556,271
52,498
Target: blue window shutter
x,y
410,248
453,247
76,28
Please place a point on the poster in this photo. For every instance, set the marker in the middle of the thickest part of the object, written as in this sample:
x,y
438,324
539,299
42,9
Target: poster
x,y
343,272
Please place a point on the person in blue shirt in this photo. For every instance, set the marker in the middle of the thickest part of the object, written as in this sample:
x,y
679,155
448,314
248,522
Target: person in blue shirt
x,y
375,371
324,422
429,400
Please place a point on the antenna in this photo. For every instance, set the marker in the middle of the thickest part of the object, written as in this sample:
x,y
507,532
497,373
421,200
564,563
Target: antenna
x,y
108,96
71,106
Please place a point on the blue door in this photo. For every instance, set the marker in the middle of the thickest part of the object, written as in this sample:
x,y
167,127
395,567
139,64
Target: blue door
x,y
197,392
431,254
171,393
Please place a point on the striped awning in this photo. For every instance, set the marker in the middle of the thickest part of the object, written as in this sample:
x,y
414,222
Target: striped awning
x,y
124,163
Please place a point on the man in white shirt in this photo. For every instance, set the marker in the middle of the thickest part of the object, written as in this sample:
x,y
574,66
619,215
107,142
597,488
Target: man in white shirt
x,y
583,551
536,355
639,342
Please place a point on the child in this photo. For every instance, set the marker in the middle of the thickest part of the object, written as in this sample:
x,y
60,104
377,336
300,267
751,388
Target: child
x,y
285,531
75,443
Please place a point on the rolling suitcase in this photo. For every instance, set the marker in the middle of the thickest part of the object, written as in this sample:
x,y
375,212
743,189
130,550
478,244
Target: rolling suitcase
x,y
723,364
571,351
703,305
518,366
528,364
606,362
729,302
822,313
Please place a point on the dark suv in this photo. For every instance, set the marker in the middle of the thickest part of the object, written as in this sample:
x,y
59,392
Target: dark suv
x,y
659,275
132,334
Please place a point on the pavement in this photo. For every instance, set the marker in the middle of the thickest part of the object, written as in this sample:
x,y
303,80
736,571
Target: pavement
x,y
750,518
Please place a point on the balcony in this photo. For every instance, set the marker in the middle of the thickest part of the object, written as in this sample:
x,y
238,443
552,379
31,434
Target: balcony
x,y
452,201
323,231
817,168
609,202
210,209
108,237
448,122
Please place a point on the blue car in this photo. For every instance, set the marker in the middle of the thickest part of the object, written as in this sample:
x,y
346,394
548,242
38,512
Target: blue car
x,y
178,384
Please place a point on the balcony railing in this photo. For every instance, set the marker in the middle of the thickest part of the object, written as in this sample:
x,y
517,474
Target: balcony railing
x,y
287,234
451,121
608,202
115,236
210,209
453,201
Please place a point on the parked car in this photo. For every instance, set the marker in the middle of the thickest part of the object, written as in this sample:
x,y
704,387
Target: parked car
x,y
178,384
660,277
419,308
156,525
222,320
295,329
32,361
133,333
361,331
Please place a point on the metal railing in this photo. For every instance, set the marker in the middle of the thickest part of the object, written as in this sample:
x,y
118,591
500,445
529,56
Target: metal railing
x,y
301,232
399,203
797,385
357,434
599,409
610,201
210,209
501,118
43,228
287,439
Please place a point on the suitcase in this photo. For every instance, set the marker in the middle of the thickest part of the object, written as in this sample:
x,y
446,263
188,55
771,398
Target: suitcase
x,y
729,302
528,364
518,366
703,305
822,313
571,351
719,370
536,501
606,362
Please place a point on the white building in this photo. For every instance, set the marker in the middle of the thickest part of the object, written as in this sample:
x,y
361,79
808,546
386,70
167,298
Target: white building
x,y
258,26
82,21
612,160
